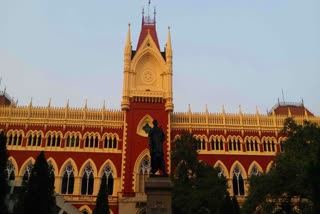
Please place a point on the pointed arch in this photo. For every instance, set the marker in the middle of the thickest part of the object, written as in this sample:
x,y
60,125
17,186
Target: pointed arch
x,y
251,167
142,155
269,166
66,163
85,208
30,160
220,164
238,176
103,166
92,164
243,171
138,178
73,133
15,165
54,165
147,119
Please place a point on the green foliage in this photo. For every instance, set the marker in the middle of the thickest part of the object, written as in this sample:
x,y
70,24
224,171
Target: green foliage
x,y
102,203
39,196
3,166
197,186
293,181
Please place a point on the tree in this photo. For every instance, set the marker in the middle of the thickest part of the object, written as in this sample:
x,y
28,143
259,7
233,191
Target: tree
x,y
293,181
195,182
39,196
3,174
102,203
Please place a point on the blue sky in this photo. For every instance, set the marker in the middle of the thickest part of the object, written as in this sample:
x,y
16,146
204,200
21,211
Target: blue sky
x,y
236,52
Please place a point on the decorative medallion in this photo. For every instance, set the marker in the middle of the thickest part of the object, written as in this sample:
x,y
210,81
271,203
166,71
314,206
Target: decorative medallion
x,y
148,76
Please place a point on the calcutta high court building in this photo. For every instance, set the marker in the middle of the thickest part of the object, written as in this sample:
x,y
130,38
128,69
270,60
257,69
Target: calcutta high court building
x,y
82,145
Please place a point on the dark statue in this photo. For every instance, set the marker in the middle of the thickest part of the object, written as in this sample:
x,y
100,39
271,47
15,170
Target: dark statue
x,y
156,138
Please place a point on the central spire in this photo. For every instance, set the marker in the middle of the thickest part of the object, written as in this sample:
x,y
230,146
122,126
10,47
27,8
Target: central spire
x,y
148,26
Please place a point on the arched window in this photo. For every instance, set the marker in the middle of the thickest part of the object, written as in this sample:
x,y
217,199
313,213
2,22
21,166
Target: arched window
x,y
144,171
10,170
281,146
72,141
203,144
237,182
230,145
9,139
108,176
68,180
51,174
254,171
110,142
29,140
87,181
114,142
220,171
27,173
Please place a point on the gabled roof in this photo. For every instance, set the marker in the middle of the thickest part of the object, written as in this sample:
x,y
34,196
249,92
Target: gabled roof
x,y
148,27
295,109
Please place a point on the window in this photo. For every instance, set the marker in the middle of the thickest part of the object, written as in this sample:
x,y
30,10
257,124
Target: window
x,y
68,180
14,139
53,139
91,141
254,171
252,144
281,146
216,144
144,171
220,171
27,173
237,182
72,141
110,142
87,181
10,171
108,176
268,145
201,143
51,174
34,139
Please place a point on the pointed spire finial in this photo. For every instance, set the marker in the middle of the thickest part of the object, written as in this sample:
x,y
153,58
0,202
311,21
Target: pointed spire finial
x,y
128,48
289,112
86,104
30,104
168,45
240,110
49,103
206,108
68,103
223,110
104,105
189,108
257,110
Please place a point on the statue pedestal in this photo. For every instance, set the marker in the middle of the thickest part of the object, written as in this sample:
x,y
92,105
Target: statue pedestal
x,y
158,190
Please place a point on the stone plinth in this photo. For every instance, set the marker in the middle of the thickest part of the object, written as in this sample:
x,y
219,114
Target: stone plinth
x,y
158,190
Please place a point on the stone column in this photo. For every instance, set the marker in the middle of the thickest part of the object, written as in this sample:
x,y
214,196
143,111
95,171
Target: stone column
x,y
158,189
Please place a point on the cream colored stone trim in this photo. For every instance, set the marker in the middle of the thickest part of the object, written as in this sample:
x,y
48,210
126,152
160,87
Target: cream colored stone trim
x,y
124,149
254,163
219,163
142,155
23,167
269,166
16,169
243,171
146,119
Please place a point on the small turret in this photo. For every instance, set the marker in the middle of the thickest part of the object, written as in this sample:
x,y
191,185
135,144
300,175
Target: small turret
x,y
168,46
128,47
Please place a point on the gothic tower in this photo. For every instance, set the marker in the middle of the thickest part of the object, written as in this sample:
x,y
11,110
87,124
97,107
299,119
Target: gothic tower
x,y
147,95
